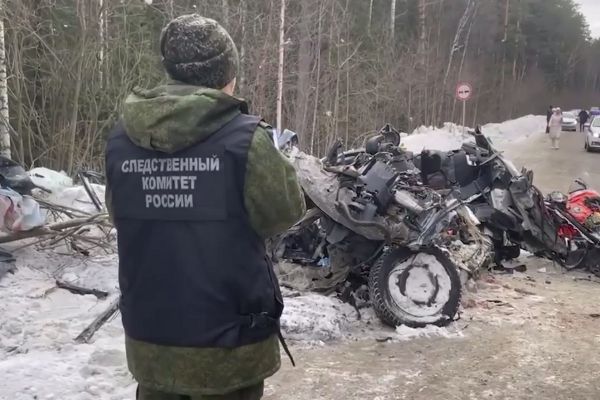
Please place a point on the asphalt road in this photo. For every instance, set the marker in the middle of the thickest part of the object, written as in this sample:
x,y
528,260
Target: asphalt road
x,y
556,169
533,336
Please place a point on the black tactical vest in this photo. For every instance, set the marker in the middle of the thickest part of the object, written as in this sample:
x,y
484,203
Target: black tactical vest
x,y
192,271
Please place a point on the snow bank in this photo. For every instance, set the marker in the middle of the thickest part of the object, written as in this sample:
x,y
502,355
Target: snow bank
x,y
515,130
451,136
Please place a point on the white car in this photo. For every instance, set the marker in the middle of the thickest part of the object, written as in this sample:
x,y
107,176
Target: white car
x,y
592,134
569,122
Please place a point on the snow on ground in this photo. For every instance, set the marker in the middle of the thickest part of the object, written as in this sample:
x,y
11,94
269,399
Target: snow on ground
x,y
314,318
38,322
452,136
515,130
449,137
62,191
404,333
38,357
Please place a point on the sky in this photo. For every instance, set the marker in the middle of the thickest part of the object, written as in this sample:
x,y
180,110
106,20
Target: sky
x,y
591,10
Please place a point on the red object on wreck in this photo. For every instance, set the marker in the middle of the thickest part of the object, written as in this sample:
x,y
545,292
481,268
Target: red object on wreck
x,y
580,204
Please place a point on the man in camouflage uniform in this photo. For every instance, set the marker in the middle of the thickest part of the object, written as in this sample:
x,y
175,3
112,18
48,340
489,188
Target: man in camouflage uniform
x,y
194,186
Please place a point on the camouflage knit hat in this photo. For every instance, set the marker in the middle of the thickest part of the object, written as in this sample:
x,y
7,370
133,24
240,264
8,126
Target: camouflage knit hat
x,y
198,51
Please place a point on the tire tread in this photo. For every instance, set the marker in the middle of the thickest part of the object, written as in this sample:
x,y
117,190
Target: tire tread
x,y
378,290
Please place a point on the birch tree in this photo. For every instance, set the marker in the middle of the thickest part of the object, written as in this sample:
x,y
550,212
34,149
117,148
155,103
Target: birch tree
x,y
4,114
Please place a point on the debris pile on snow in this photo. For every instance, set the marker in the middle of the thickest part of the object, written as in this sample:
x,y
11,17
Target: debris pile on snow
x,y
19,213
51,212
60,190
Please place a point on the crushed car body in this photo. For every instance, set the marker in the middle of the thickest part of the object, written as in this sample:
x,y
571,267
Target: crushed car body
x,y
403,232
375,233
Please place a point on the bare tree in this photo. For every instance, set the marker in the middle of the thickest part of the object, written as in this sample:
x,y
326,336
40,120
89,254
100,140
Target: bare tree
x,y
225,6
370,16
305,56
457,44
280,67
243,21
4,114
317,80
351,66
102,22
393,21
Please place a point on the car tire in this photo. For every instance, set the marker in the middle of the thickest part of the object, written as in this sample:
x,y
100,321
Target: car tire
x,y
388,280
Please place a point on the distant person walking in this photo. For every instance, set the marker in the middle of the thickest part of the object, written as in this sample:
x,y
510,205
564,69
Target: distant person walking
x,y
548,116
583,118
555,125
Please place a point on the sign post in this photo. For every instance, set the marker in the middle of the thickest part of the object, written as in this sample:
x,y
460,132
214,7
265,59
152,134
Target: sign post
x,y
464,91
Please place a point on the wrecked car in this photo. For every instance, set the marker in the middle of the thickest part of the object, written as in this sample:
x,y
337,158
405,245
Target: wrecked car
x,y
514,213
374,233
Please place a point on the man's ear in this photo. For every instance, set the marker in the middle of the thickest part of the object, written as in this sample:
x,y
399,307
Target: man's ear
x,y
230,87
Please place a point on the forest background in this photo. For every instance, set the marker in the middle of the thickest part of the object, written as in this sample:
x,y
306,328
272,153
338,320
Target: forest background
x,y
326,69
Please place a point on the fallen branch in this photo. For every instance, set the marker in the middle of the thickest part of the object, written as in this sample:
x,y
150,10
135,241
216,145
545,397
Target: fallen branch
x,y
71,212
100,294
86,335
53,229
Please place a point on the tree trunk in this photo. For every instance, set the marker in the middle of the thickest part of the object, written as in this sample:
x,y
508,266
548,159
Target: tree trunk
x,y
4,114
280,68
517,42
19,104
317,82
370,17
304,66
506,15
347,45
243,12
422,31
503,63
455,47
102,39
225,6
393,21
171,9
336,101
77,94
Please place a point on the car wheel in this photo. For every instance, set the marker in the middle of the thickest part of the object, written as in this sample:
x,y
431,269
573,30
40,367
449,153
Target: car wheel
x,y
415,288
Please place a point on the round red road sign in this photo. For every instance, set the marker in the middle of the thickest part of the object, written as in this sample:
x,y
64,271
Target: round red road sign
x,y
464,91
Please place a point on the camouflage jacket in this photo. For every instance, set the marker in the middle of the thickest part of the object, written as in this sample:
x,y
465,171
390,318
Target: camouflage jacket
x,y
170,118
